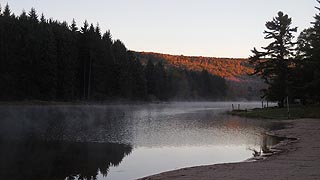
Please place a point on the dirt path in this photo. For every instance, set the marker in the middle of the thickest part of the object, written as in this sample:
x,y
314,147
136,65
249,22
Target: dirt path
x,y
299,160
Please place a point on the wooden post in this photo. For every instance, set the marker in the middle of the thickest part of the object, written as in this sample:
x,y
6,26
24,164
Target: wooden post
x,y
238,106
232,107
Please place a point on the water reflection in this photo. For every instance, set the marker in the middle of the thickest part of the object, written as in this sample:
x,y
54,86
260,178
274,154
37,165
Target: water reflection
x,y
265,148
57,142
59,160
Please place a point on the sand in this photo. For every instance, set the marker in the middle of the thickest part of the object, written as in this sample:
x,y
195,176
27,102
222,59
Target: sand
x,y
299,159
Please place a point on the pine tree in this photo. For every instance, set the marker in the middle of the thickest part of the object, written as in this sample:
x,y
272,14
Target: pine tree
x,y
73,26
7,11
84,55
109,70
47,63
84,29
33,15
43,19
309,53
274,62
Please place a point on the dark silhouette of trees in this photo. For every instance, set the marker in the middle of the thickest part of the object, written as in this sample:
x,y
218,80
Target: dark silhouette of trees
x,y
289,70
309,57
59,160
7,11
275,63
44,59
137,79
150,77
157,80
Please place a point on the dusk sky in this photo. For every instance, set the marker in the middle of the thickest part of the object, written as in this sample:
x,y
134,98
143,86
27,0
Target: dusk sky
x,y
229,28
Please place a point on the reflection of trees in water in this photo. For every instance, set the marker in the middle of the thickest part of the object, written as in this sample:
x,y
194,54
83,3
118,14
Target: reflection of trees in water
x,y
59,160
266,143
65,123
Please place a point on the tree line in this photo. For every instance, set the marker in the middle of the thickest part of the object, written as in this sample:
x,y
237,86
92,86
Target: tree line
x,y
234,70
290,67
229,68
45,59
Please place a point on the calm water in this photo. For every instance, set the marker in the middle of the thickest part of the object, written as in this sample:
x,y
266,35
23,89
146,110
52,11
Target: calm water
x,y
123,141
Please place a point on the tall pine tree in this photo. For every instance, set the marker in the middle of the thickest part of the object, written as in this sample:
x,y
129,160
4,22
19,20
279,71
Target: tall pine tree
x,y
273,63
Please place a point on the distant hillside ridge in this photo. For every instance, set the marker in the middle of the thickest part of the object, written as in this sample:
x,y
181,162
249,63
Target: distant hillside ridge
x,y
229,68
235,70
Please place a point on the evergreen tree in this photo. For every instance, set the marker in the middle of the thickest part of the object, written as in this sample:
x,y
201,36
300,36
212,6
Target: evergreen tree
x,y
7,11
47,63
109,84
309,54
84,54
73,26
121,70
84,29
42,19
33,17
274,62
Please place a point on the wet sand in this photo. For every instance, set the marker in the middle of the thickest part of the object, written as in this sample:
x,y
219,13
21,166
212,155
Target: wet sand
x,y
299,159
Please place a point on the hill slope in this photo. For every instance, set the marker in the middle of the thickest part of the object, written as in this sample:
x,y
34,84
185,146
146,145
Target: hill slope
x,y
234,70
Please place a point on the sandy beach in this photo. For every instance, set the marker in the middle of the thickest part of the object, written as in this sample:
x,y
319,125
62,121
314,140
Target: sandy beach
x,y
299,159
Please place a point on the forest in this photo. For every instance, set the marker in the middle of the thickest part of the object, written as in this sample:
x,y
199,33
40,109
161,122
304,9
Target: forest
x,y
236,71
289,66
230,68
45,59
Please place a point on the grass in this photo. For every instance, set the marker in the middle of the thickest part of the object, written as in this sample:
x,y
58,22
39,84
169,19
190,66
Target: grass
x,y
296,112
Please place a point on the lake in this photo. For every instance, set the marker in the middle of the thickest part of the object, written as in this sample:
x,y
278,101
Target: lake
x,y
123,142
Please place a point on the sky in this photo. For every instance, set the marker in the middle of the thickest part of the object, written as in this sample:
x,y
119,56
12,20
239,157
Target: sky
x,y
218,28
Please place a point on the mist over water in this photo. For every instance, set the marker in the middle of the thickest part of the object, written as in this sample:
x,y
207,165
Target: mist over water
x,y
123,141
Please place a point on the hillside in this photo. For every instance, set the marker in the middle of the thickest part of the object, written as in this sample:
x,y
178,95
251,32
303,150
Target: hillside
x,y
234,70
229,68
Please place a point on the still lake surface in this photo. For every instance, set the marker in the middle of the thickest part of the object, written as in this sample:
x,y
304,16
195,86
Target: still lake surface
x,y
123,142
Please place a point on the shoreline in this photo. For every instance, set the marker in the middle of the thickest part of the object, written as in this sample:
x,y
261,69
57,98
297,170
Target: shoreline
x,y
109,102
299,159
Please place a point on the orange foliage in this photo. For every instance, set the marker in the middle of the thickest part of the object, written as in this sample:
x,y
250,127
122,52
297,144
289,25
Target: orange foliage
x,y
228,68
234,70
